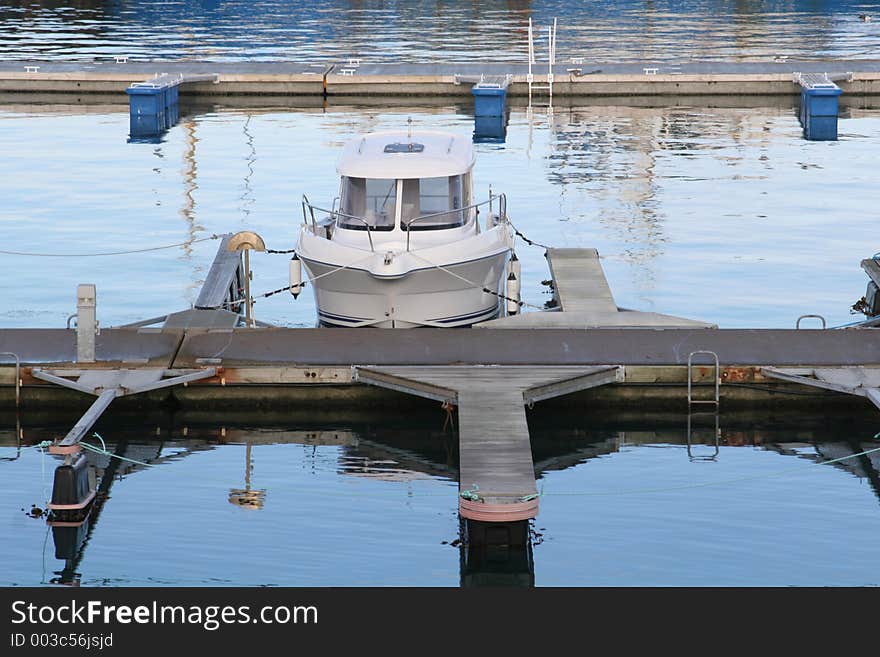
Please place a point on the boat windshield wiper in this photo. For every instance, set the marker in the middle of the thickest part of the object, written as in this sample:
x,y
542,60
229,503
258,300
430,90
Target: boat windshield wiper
x,y
388,195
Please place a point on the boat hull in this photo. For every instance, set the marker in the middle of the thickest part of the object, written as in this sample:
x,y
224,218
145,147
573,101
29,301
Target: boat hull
x,y
450,295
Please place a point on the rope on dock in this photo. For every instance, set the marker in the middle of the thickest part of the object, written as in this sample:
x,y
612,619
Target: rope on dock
x,y
110,253
471,494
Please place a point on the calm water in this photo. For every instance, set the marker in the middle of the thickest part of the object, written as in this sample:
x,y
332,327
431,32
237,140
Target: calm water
x,y
618,31
725,215
722,214
353,503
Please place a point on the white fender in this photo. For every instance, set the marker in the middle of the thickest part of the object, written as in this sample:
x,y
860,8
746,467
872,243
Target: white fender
x,y
295,276
512,294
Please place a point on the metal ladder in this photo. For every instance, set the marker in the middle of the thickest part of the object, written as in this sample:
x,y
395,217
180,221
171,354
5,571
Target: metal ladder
x,y
551,60
715,401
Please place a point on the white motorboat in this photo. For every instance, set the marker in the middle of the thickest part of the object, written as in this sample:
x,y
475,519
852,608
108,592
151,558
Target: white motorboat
x,y
403,245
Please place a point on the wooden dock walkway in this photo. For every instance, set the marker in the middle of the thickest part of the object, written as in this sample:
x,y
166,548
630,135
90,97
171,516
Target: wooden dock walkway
x,y
496,472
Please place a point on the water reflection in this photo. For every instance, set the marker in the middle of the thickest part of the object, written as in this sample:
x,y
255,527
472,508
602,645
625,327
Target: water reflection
x,y
449,31
247,497
412,462
652,188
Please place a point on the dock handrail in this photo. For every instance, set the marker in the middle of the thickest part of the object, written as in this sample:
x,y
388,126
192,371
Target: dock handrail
x,y
819,317
17,376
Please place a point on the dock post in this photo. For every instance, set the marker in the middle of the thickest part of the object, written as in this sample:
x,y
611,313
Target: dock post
x,y
86,323
246,241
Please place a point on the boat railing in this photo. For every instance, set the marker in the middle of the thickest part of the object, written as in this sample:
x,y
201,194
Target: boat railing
x,y
333,217
407,225
502,205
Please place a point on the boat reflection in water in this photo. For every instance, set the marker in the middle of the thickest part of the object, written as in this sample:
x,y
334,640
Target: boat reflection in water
x,y
409,456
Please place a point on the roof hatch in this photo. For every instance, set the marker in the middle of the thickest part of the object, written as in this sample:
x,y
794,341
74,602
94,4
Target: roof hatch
x,y
410,147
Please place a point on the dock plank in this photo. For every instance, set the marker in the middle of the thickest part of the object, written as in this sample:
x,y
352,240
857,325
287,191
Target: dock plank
x,y
495,452
267,348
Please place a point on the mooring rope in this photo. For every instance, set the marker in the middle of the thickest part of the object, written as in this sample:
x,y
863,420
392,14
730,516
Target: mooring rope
x,y
518,302
471,494
526,239
98,450
302,284
42,447
110,253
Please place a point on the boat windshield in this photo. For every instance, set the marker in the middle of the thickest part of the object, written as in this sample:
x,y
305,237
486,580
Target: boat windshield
x,y
368,202
432,203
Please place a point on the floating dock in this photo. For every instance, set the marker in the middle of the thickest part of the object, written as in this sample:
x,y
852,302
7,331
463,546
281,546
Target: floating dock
x,y
576,77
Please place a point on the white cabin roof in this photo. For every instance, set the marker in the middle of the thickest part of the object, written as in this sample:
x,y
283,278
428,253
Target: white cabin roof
x,y
442,154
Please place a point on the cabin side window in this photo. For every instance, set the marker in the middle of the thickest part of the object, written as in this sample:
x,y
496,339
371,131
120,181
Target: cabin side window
x,y
433,203
368,202
467,193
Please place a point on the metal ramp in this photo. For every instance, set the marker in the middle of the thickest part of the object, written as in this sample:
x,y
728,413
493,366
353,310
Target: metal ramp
x,y
224,300
585,300
861,381
496,472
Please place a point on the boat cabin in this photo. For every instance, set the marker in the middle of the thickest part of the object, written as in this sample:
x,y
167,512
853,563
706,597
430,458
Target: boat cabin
x,y
391,181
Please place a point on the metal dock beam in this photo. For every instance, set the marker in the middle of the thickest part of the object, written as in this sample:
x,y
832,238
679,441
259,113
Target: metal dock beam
x,y
496,472
73,489
860,381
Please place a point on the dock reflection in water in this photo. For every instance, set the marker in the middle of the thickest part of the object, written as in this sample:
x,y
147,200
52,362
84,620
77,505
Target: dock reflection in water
x,y
371,504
